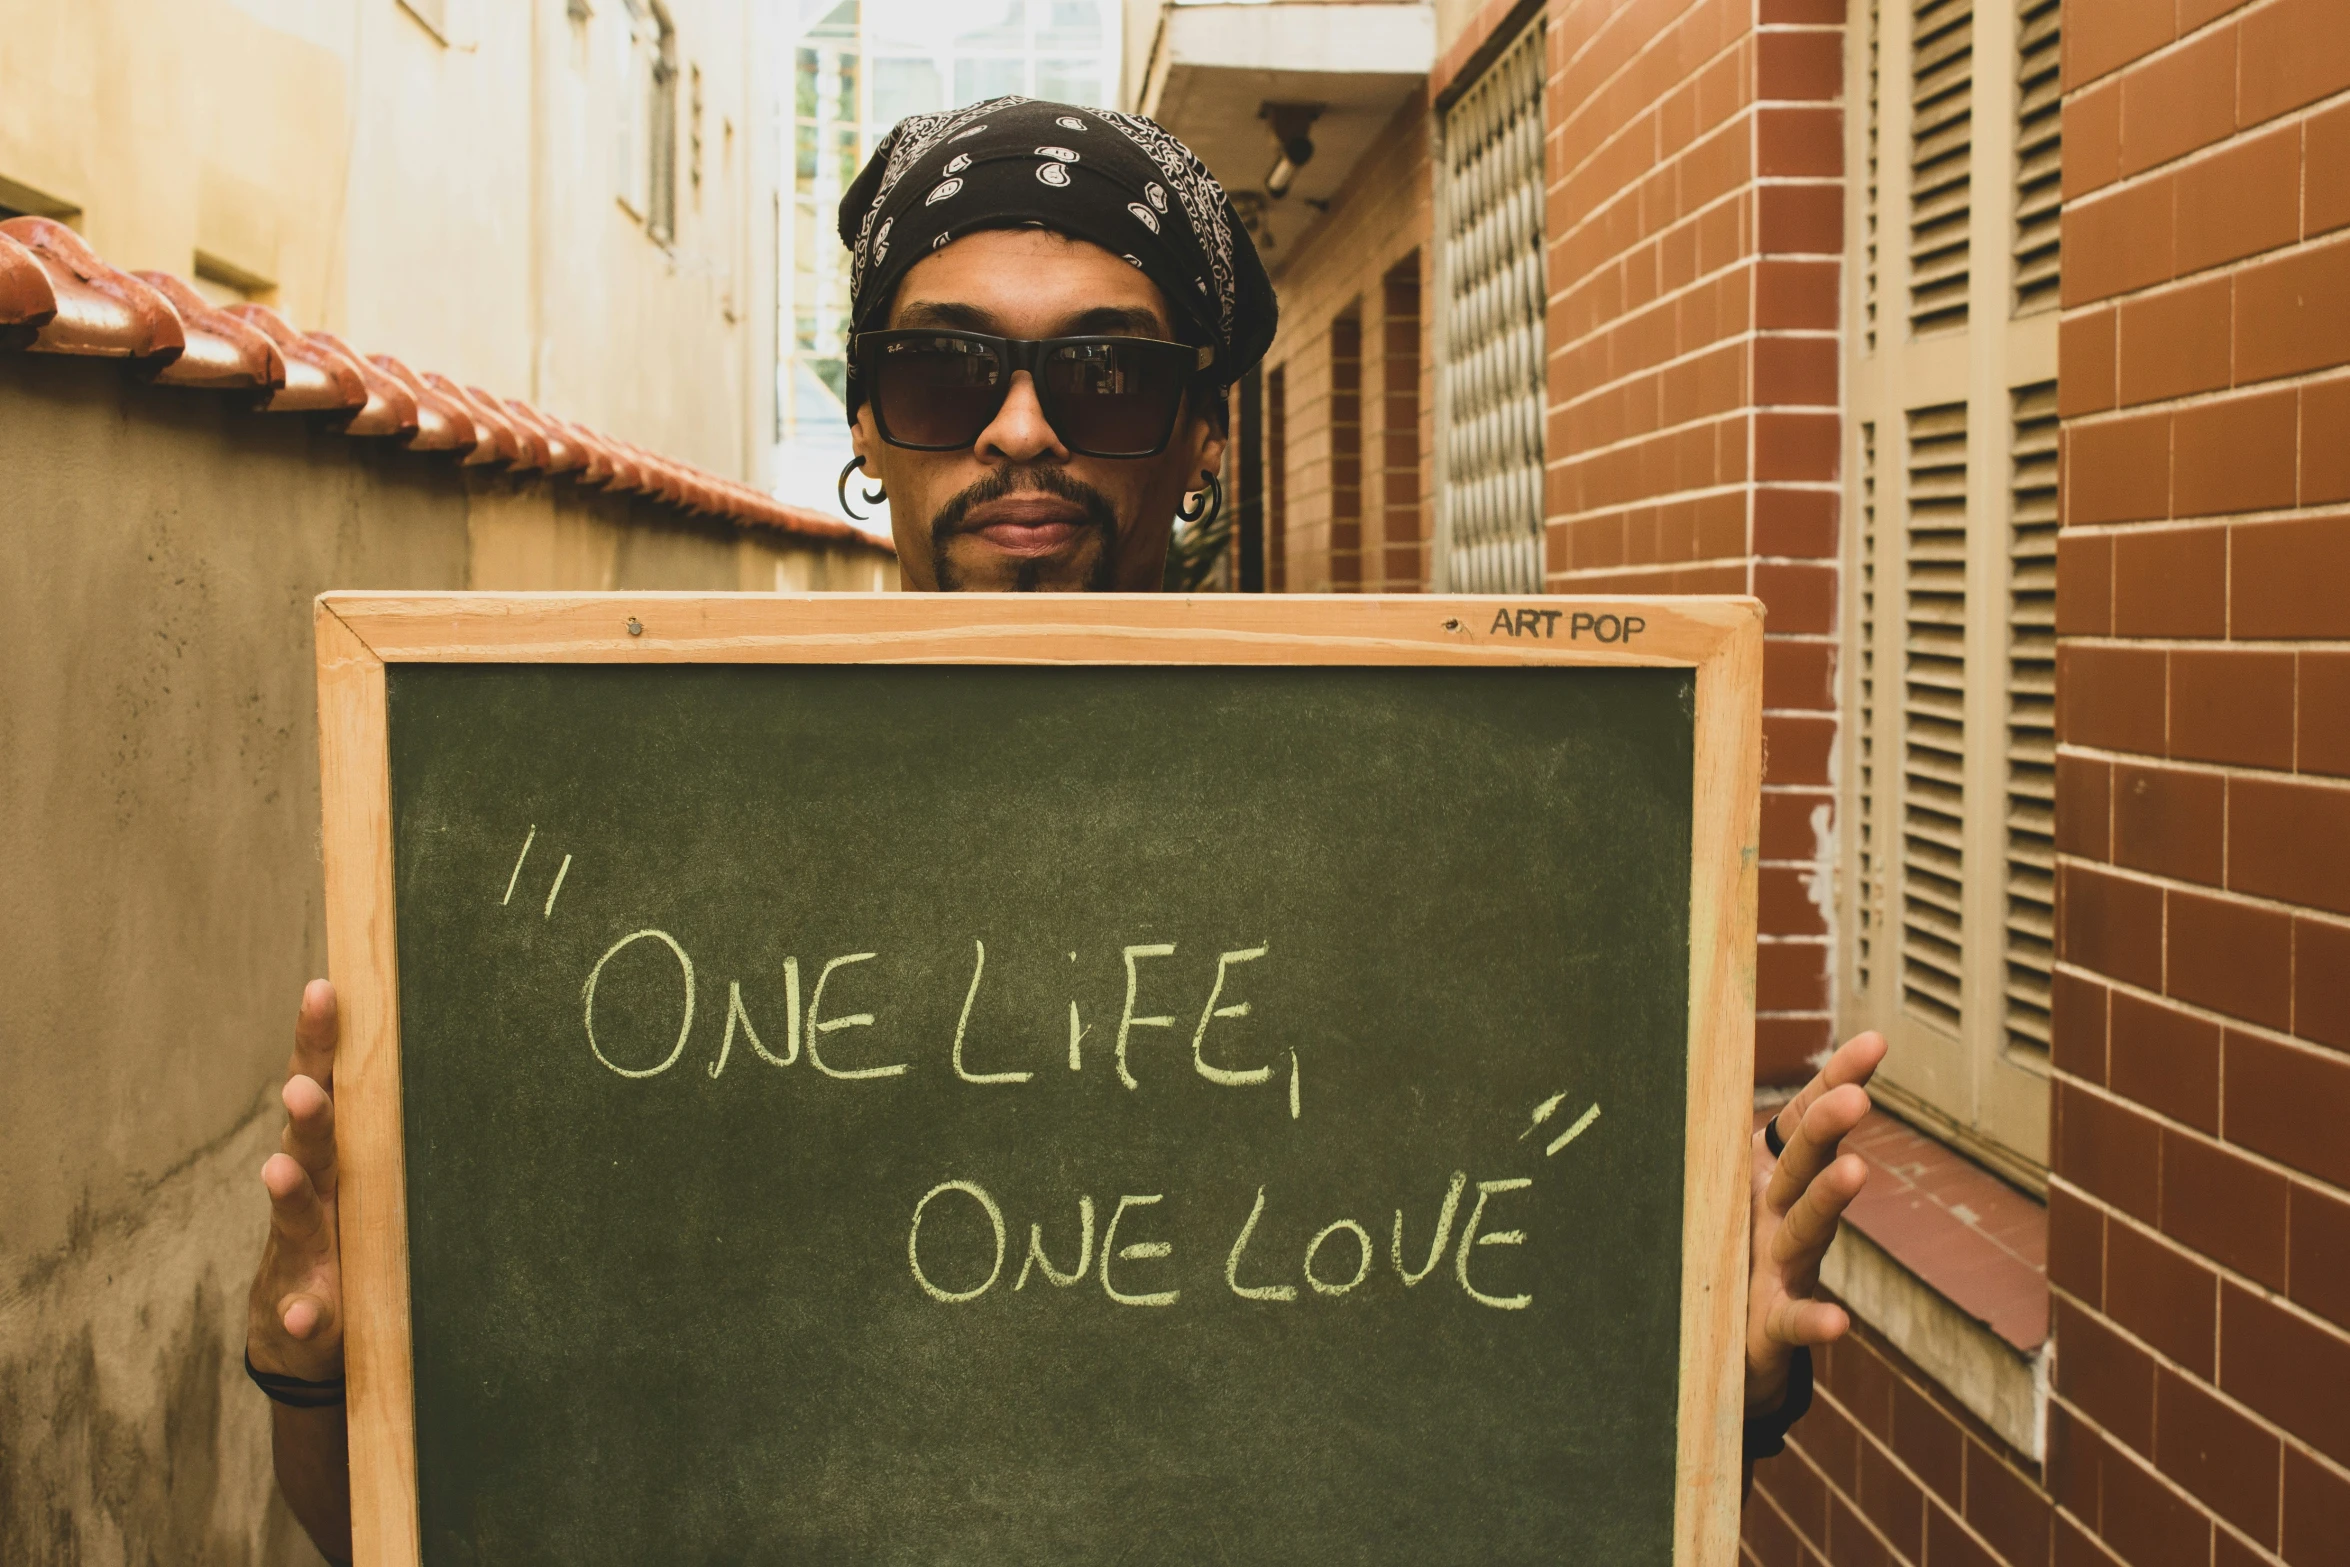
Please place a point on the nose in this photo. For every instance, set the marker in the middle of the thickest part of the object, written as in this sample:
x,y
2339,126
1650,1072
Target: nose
x,y
1019,432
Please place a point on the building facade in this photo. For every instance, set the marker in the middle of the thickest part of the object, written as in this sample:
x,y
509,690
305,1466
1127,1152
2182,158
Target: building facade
x,y
1999,347
566,201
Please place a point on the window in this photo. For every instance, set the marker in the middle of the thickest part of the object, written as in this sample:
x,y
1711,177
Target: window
x,y
1346,449
1489,329
648,121
1946,919
1396,566
1277,480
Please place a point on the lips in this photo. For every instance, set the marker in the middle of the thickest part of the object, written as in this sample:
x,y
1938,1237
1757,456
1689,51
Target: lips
x,y
1027,525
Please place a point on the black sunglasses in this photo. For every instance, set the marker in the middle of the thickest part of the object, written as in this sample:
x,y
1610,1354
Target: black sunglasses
x,y
935,391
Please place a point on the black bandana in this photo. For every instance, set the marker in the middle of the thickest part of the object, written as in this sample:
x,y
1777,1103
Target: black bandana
x,y
1117,180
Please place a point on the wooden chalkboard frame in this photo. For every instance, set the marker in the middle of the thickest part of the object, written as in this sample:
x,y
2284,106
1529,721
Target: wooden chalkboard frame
x,y
359,633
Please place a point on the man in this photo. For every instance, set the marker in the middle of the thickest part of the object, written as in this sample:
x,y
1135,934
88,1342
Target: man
x,y
1050,304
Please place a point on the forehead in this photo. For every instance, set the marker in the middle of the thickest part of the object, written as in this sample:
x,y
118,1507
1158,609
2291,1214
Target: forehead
x,y
1030,282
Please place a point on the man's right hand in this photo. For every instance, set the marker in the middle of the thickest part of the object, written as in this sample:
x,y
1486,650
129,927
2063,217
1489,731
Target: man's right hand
x,y
294,1319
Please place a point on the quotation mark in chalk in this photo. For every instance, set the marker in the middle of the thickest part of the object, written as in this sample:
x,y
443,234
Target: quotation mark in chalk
x,y
1548,1108
561,871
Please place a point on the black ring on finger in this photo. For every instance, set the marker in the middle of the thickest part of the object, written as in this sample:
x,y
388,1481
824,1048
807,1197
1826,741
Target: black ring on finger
x,y
1771,1138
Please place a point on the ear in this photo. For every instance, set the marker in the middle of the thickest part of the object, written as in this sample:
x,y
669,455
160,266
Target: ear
x,y
1209,436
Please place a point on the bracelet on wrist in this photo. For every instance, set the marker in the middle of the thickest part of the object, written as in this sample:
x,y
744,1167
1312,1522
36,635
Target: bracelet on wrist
x,y
295,1392
1766,1435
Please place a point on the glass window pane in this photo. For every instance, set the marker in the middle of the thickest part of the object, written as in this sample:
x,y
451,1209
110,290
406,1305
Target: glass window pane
x,y
1070,81
903,87
976,80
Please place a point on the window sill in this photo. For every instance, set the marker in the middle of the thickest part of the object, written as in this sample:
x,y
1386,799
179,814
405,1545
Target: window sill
x,y
1950,1264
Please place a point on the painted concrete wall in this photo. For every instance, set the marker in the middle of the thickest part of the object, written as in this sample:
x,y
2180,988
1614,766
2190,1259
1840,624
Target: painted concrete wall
x,y
159,550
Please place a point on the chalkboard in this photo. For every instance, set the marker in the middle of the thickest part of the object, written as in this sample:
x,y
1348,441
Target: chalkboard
x,y
878,1107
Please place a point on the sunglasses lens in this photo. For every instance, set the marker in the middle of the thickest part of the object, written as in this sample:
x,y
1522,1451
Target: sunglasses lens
x,y
937,391
1115,399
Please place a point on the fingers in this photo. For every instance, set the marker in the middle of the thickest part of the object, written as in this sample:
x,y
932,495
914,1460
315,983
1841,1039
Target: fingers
x,y
1813,1144
1855,1062
1812,1322
304,1316
296,1214
1802,1238
310,1132
317,1027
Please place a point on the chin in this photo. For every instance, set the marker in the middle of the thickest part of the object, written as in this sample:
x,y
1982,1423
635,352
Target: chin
x,y
971,565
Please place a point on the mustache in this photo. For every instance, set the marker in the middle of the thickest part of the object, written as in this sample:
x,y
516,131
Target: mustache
x,y
1019,479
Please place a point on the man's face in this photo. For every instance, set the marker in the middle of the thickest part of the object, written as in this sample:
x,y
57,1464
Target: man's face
x,y
1018,510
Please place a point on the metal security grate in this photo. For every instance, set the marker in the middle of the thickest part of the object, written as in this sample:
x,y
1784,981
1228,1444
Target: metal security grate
x,y
1490,373
1933,715
2039,153
1941,195
2031,716
1869,907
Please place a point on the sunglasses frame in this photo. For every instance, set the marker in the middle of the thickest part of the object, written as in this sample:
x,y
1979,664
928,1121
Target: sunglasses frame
x,y
1017,354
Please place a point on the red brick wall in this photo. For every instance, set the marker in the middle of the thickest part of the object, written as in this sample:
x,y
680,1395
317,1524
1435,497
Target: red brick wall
x,y
1696,228
2200,1241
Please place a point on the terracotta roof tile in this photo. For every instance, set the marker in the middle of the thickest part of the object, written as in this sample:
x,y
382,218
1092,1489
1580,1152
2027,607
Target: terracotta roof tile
x,y
99,310
57,296
222,351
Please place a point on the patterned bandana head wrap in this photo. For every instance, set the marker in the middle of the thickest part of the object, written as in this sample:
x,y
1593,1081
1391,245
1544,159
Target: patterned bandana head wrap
x,y
1117,180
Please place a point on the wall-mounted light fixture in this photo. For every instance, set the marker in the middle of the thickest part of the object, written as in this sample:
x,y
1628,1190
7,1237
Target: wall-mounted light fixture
x,y
1292,125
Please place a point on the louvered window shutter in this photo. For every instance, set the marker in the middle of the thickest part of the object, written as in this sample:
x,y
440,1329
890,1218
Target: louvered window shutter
x,y
1869,910
2039,153
2031,716
1869,188
1941,205
1490,371
1933,715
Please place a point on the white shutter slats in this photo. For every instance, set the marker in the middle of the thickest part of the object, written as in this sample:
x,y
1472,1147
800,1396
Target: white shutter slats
x,y
1941,189
2030,884
2039,154
1933,714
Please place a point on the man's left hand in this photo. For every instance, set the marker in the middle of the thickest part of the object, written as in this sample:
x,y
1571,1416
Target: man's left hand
x,y
1799,1198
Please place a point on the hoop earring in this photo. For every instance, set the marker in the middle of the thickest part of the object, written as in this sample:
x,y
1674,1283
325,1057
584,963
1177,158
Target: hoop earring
x,y
1211,504
872,497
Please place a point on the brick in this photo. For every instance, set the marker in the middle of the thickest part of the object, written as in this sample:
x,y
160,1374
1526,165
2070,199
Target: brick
x,y
1949,1545
2238,454
2084,585
2291,841
2229,956
1797,296
2316,1512
1786,906
2104,35
2317,1252
1929,1442
2087,359
1807,65
1892,1501
2325,442
2286,1103
2225,1459
2240,201
1796,523
2323,745
1796,747
1865,1383
1792,142
2075,1459
2076,1547
2321,982
2008,1510
2288,1368
1850,1539
2224,1206
2166,1060
1801,219
2169,821
2112,698
2118,242
2076,1247
2110,924
2108,1377
1798,674
2146,1522
2228,1551
1800,598
1797,447
2293,313
2180,102
2111,1152
2325,171
2294,52
2171,344
2171,582
1792,821
2163,1295
2078,1012
2092,140
2117,470
2232,705
2084,806
2285,579
1769,1541
1784,1048
1792,976
1800,1492
1828,1435
1796,372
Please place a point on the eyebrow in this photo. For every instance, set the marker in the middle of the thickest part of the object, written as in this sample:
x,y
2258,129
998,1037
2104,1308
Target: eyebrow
x,y
1099,320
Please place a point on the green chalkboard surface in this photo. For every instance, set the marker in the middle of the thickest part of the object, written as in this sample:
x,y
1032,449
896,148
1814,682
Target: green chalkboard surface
x,y
1138,1115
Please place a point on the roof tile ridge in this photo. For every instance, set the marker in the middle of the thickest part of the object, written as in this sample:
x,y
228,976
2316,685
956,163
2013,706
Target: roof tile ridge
x,y
222,351
562,453
494,433
391,408
531,455
28,300
318,379
100,310
442,425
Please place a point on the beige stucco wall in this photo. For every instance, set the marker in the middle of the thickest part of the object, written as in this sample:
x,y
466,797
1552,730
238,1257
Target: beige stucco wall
x,y
159,550
453,200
